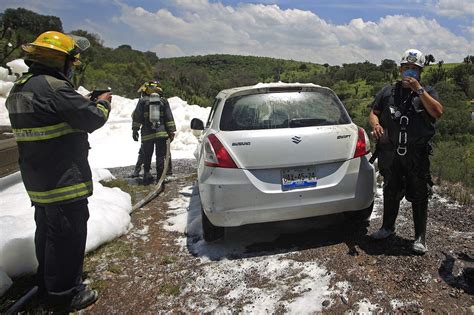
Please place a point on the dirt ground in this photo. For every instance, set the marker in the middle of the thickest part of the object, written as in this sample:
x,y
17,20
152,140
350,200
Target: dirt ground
x,y
155,269
148,271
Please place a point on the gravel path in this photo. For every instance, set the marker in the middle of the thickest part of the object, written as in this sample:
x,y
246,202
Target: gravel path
x,y
326,265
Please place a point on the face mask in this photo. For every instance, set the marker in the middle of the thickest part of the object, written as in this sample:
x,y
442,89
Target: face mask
x,y
411,73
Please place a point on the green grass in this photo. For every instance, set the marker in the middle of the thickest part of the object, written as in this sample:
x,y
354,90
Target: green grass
x,y
452,166
135,191
115,268
167,260
116,249
99,285
457,192
454,162
447,66
169,289
114,254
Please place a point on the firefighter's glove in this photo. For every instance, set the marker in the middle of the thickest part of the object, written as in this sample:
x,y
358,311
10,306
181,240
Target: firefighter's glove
x,y
105,103
135,135
171,136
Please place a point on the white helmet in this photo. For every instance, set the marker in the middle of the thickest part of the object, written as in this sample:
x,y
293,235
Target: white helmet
x,y
413,56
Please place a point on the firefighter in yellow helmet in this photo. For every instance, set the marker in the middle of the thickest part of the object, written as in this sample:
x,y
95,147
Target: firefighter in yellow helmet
x,y
154,117
51,122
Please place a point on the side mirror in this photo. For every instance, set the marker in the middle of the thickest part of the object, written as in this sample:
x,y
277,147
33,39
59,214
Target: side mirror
x,y
197,124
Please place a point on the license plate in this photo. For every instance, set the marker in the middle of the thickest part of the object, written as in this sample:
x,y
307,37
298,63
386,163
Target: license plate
x,y
294,178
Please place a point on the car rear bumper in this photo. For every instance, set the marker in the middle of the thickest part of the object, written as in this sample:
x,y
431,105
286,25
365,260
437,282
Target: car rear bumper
x,y
235,197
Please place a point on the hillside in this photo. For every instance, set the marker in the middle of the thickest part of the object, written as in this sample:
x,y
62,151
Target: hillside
x,y
197,79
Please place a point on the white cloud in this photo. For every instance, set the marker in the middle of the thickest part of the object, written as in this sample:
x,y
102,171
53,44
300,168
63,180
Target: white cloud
x,y
393,34
470,30
201,27
449,8
454,8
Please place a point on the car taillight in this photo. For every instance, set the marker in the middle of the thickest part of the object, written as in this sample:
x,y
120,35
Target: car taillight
x,y
361,146
215,155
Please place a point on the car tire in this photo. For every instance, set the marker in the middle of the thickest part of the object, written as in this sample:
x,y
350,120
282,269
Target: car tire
x,y
210,232
361,215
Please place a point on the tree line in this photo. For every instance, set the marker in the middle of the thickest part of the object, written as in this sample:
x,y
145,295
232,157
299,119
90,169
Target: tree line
x,y
198,79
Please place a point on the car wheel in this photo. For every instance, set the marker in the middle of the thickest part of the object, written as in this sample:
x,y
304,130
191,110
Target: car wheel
x,y
361,215
210,232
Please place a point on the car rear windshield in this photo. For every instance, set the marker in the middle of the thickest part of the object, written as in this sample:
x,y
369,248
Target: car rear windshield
x,y
283,110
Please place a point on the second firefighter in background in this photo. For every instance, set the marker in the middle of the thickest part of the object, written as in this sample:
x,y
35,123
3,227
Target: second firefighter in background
x,y
154,118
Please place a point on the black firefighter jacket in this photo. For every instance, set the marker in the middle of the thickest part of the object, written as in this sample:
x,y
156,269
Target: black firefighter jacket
x,y
50,121
140,118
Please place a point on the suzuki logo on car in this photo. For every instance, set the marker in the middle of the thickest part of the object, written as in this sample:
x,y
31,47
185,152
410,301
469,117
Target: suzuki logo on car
x,y
235,144
296,139
343,137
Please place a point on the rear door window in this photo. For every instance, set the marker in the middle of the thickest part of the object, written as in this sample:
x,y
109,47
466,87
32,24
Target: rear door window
x,y
283,110
212,112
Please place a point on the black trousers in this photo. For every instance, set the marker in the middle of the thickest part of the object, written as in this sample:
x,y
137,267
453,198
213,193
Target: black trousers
x,y
407,176
148,148
60,241
141,158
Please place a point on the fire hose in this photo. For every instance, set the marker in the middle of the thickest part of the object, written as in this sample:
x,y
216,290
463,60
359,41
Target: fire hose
x,y
159,185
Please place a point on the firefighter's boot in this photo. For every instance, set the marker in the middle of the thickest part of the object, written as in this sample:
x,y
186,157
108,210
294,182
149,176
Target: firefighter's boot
x,y
136,171
390,213
420,214
83,299
147,177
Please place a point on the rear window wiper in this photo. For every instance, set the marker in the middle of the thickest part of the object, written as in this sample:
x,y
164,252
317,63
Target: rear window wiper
x,y
306,122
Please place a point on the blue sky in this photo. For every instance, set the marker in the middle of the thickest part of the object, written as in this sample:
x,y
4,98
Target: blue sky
x,y
333,31
338,11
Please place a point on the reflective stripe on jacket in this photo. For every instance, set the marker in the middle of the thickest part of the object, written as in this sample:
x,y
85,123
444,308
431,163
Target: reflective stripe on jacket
x,y
62,194
50,121
43,133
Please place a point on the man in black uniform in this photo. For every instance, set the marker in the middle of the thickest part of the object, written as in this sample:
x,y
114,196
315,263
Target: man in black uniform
x,y
50,121
153,115
402,118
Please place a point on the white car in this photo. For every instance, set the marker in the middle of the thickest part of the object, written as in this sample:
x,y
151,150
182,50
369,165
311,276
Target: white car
x,y
277,151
